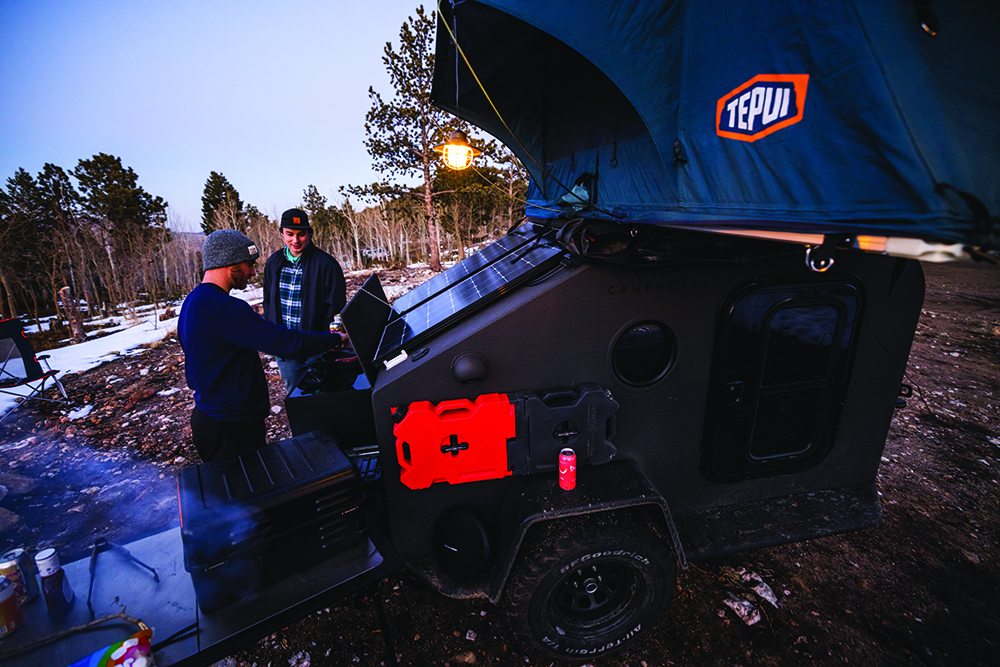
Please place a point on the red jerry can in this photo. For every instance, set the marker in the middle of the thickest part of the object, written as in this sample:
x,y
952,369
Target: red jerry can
x,y
454,441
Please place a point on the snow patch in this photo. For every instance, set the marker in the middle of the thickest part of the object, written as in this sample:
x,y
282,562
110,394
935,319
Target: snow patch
x,y
80,413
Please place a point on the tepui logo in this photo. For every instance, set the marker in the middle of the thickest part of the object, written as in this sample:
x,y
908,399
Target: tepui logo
x,y
761,106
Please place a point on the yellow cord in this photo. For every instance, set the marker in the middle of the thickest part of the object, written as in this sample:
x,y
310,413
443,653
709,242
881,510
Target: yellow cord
x,y
517,199
475,76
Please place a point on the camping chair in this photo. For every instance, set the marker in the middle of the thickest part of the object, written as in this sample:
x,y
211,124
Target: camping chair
x,y
20,368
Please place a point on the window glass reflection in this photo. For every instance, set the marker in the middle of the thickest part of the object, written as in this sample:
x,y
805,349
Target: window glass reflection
x,y
798,344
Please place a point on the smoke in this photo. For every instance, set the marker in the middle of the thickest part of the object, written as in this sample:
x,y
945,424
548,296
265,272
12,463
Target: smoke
x,y
67,495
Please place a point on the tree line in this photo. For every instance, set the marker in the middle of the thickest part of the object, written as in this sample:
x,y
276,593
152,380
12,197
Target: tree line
x,y
92,228
96,230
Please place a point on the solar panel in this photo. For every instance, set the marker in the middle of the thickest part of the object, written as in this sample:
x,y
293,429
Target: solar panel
x,y
364,318
518,238
496,269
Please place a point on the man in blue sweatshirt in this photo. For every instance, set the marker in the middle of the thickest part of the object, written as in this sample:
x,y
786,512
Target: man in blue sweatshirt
x,y
221,336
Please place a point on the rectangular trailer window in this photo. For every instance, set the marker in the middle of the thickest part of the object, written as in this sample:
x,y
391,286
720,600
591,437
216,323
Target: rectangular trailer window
x,y
779,376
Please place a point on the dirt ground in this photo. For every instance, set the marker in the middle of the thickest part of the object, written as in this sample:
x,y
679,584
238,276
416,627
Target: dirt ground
x,y
921,588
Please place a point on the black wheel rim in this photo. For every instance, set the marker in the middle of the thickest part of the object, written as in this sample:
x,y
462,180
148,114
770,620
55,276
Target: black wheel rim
x,y
595,598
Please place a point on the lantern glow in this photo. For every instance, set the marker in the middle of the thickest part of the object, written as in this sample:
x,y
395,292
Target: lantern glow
x,y
457,152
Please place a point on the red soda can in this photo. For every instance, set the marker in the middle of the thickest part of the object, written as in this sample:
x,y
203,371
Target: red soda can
x,y
567,469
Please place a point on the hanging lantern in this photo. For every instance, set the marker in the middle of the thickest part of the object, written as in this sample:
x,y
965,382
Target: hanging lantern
x,y
457,153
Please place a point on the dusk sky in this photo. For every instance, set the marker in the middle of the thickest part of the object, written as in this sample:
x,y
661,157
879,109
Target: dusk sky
x,y
271,94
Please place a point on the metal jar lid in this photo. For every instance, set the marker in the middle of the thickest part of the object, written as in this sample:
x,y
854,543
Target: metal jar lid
x,y
11,557
47,561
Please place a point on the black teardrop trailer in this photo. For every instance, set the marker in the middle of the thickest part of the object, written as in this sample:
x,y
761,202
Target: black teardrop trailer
x,y
719,395
711,302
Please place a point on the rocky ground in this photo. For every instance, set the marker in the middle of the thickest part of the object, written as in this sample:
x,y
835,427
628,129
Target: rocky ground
x,y
922,588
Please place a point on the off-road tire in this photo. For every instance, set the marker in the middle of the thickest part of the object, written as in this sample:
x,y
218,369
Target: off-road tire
x,y
587,586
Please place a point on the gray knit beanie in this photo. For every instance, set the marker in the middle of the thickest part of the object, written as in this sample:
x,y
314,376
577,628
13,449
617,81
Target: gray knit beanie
x,y
226,247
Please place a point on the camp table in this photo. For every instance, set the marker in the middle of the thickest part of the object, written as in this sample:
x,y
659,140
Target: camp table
x,y
183,636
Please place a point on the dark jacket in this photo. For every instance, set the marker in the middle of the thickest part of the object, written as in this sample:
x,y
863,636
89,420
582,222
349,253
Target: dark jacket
x,y
324,292
221,335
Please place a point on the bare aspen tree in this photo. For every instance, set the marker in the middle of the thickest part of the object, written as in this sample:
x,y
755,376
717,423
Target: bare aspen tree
x,y
264,232
72,315
354,224
229,215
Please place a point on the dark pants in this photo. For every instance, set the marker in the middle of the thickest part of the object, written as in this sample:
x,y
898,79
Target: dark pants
x,y
217,440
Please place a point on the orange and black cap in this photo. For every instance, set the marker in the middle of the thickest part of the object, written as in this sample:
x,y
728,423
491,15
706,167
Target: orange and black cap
x,y
295,218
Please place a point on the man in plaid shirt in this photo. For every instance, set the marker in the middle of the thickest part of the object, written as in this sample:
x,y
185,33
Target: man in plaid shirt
x,y
303,288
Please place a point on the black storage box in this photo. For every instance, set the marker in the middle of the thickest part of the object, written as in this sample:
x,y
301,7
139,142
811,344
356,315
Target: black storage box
x,y
346,416
252,520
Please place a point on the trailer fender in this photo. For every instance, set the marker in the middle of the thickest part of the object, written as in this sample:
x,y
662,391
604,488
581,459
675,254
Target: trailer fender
x,y
535,498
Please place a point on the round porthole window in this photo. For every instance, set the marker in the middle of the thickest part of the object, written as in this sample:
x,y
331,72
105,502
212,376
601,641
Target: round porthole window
x,y
644,353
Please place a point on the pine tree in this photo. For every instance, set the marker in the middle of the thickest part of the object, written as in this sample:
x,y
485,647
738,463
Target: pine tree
x,y
401,133
18,212
122,214
110,192
326,221
58,242
220,196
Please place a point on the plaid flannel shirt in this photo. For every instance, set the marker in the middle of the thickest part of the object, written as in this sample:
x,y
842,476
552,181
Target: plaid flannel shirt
x,y
290,291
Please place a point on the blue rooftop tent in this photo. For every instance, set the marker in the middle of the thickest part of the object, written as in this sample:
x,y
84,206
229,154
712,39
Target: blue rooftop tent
x,y
875,118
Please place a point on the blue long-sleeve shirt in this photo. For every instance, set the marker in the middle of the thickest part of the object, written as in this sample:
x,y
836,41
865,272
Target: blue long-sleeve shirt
x,y
220,336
